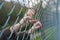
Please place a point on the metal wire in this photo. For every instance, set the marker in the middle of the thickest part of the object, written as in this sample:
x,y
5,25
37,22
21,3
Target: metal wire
x,y
7,20
1,5
15,22
46,16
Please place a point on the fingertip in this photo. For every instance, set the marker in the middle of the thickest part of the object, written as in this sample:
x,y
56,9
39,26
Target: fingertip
x,y
32,21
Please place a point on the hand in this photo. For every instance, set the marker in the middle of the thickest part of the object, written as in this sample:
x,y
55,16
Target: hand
x,y
37,25
28,16
30,13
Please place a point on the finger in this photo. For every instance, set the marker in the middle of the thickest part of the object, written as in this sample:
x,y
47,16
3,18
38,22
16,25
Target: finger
x,y
32,21
38,24
27,18
37,27
30,12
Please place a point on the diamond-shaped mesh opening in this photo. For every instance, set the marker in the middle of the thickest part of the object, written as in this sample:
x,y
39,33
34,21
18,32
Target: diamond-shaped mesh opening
x,y
12,12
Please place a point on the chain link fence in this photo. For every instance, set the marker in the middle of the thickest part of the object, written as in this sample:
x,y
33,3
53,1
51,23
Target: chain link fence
x,y
11,13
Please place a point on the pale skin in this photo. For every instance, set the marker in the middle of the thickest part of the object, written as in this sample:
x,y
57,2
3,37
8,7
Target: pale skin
x,y
28,17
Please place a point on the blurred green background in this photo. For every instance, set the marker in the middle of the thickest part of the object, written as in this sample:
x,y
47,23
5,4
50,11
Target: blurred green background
x,y
48,20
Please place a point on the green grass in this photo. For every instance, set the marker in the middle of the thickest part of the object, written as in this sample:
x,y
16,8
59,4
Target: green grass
x,y
48,31
38,38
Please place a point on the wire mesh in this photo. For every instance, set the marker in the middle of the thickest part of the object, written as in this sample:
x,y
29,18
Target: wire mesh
x,y
46,15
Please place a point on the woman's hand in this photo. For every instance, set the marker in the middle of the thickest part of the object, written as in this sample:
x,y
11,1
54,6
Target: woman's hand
x,y
28,16
35,26
30,13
